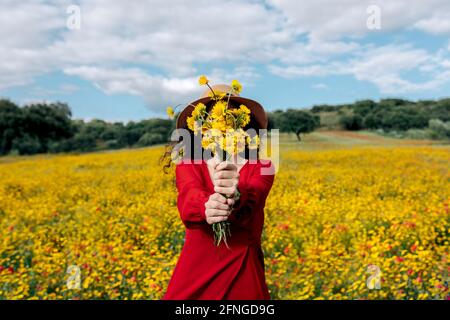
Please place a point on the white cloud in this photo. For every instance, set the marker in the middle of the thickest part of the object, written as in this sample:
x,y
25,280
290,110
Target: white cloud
x,y
382,66
437,24
156,90
154,50
327,19
171,40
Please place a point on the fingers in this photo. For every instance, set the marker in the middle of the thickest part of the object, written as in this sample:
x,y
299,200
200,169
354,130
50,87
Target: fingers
x,y
225,174
225,190
216,205
230,202
213,220
224,182
226,166
218,197
217,213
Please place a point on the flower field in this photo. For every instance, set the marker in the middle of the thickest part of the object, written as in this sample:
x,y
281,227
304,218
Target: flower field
x,y
330,215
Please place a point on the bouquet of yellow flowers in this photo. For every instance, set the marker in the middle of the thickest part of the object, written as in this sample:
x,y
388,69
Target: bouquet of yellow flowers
x,y
222,132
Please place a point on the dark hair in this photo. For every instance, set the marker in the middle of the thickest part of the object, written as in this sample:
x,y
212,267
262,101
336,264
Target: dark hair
x,y
166,159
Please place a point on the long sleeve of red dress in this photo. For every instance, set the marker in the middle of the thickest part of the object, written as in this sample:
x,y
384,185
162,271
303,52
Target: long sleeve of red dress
x,y
205,271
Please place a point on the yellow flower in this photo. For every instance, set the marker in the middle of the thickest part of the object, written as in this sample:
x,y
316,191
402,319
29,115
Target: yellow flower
x,y
253,142
190,122
218,110
240,138
208,143
217,95
203,80
227,143
219,125
237,87
170,112
244,109
199,110
245,120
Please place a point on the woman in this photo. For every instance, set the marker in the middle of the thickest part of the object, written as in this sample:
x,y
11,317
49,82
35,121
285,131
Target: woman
x,y
205,271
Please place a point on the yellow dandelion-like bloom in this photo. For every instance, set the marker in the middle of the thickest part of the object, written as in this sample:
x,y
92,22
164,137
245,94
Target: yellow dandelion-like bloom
x,y
217,95
190,122
218,110
199,110
203,80
228,144
208,143
240,139
219,125
253,142
170,112
245,120
237,87
216,133
243,108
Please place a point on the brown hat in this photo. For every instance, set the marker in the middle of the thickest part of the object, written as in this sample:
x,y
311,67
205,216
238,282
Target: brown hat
x,y
257,110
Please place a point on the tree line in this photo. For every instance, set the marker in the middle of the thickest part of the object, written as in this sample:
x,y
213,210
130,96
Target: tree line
x,y
421,119
42,128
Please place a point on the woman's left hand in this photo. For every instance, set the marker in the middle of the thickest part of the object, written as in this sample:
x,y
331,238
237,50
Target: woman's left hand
x,y
226,179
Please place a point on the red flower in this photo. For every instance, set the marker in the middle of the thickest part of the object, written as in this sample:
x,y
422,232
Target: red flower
x,y
399,259
410,272
284,226
413,247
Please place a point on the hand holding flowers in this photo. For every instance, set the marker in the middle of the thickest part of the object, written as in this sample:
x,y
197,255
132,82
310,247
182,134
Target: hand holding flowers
x,y
226,179
217,208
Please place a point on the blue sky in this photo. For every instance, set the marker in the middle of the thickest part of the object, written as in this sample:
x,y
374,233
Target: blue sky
x,y
128,61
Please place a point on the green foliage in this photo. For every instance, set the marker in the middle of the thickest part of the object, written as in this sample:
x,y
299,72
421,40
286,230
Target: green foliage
x,y
439,129
27,144
298,121
39,128
149,139
352,122
44,127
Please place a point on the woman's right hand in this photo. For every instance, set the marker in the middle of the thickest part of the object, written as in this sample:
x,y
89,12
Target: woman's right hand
x,y
217,208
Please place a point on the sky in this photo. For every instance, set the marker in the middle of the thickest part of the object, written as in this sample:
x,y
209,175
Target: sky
x,y
128,60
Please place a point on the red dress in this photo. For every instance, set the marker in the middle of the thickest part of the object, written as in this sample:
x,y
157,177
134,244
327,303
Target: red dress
x,y
205,271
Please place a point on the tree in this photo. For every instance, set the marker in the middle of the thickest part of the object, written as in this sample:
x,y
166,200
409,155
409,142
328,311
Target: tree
x,y
47,122
352,122
364,107
10,122
27,144
439,129
298,121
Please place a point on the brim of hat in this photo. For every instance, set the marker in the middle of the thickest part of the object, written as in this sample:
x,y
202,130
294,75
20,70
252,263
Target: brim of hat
x,y
256,109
